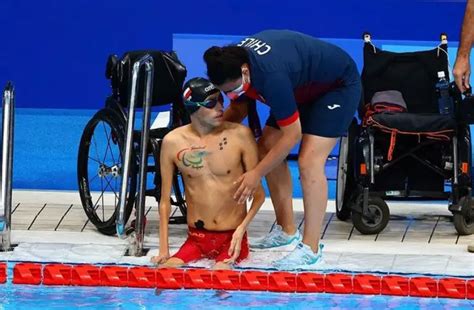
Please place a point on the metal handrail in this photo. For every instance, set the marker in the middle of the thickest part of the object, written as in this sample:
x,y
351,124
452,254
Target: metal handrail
x,y
137,245
7,165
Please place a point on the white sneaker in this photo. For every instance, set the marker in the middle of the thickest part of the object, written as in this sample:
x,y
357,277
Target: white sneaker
x,y
277,238
302,257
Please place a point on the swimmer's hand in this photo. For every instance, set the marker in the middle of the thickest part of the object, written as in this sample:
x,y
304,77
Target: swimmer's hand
x,y
160,258
235,245
249,182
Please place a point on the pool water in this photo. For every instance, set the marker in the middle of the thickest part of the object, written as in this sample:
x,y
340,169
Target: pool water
x,y
56,297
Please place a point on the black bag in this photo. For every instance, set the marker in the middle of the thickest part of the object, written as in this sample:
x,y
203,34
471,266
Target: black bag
x,y
466,110
169,76
464,106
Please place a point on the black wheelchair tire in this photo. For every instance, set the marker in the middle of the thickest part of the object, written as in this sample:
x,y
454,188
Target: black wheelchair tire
x,y
463,223
117,126
345,179
360,222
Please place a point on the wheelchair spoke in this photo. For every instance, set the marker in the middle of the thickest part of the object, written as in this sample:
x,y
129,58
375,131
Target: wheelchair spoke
x,y
95,176
96,148
95,160
96,204
109,138
103,209
109,185
107,148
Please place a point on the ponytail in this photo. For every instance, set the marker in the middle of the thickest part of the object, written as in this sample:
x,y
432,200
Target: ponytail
x,y
225,63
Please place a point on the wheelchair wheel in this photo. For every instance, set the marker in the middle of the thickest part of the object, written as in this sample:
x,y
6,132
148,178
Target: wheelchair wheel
x,y
345,184
464,220
99,170
374,219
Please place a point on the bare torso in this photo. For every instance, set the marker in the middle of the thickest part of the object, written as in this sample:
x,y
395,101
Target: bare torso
x,y
210,165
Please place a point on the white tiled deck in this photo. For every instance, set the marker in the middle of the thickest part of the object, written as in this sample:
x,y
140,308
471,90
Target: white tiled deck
x,y
420,238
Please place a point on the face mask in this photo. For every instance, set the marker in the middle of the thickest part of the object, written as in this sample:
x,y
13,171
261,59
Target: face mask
x,y
239,91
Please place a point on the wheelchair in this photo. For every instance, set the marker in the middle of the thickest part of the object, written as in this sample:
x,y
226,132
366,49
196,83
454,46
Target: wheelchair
x,y
100,165
415,154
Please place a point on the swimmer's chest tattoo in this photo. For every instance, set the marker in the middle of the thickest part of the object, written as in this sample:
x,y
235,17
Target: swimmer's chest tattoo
x,y
222,143
192,157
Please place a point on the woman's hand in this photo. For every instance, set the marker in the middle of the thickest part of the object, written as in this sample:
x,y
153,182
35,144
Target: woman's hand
x,y
462,73
249,182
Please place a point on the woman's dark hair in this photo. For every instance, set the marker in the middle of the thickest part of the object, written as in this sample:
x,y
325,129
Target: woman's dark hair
x,y
224,63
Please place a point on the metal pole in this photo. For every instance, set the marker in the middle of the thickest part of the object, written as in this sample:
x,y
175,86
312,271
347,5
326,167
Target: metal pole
x,y
148,61
371,158
7,164
455,160
127,157
140,227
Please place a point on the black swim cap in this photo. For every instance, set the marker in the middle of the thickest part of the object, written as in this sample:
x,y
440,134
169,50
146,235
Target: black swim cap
x,y
197,90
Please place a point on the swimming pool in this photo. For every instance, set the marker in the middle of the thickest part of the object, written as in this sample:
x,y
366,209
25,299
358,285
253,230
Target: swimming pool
x,y
36,297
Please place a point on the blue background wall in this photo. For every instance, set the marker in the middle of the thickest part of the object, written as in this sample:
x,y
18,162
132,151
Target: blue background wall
x,y
55,52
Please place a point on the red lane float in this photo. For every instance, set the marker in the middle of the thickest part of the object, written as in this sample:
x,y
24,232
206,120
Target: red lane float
x,y
3,272
338,283
57,274
254,281
193,278
282,282
423,287
27,273
85,275
452,288
308,282
141,277
395,285
113,276
367,284
226,280
169,278
197,278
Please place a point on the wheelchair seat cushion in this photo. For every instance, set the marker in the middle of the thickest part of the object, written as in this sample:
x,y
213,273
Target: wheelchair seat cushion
x,y
430,126
414,123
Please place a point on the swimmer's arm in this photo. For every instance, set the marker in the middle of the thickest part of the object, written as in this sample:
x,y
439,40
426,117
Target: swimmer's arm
x,y
237,110
249,160
167,170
